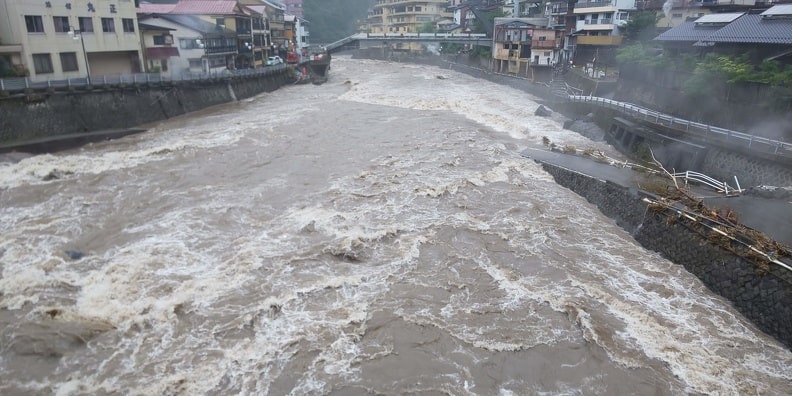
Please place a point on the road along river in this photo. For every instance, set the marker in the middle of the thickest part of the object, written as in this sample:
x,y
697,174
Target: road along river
x,y
376,234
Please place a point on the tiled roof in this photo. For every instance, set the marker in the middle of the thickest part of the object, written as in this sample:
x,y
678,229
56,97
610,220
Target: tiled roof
x,y
753,29
146,26
205,7
149,8
275,4
197,24
192,7
261,9
687,31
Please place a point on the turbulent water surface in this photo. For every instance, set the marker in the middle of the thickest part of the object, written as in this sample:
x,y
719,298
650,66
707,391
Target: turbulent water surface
x,y
376,234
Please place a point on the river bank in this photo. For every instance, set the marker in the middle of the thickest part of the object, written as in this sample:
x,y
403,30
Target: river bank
x,y
762,296
55,114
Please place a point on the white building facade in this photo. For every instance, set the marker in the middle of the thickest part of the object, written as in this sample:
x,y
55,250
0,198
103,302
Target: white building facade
x,y
57,39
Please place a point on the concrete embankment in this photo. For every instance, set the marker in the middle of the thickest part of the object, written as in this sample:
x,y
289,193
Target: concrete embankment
x,y
722,160
55,114
763,295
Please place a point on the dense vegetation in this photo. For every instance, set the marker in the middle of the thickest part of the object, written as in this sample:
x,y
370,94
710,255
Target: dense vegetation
x,y
711,68
641,27
332,20
6,69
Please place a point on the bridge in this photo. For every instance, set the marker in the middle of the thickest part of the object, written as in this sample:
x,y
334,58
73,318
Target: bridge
x,y
354,41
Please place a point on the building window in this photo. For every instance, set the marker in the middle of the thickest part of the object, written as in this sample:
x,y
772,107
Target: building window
x,y
69,61
61,24
42,63
220,21
164,64
190,44
195,63
108,25
129,25
159,40
34,24
676,15
86,24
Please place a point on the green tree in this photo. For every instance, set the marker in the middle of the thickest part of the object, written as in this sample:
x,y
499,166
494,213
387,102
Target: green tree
x,y
641,26
5,67
482,26
332,20
428,27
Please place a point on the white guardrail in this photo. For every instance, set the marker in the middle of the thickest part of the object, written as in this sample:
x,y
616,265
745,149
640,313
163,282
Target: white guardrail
x,y
25,83
753,142
720,186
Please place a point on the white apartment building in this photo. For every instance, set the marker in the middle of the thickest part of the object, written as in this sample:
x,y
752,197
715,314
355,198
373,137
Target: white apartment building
x,y
58,39
601,18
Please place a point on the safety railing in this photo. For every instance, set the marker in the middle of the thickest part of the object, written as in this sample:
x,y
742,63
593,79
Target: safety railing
x,y
720,186
707,132
22,84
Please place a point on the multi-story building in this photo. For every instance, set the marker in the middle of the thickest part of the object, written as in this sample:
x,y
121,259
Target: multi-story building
x,y
294,7
596,35
300,30
158,48
262,37
556,11
203,47
226,16
525,46
405,16
70,39
275,13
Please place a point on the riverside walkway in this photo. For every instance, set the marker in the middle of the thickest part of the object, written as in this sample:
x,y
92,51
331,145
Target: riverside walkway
x,y
701,131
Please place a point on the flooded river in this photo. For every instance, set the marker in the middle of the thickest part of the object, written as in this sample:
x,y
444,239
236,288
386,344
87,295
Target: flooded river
x,y
378,234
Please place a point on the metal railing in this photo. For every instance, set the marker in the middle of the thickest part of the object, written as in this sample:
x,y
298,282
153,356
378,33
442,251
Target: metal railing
x,y
590,4
21,84
719,186
707,132
601,21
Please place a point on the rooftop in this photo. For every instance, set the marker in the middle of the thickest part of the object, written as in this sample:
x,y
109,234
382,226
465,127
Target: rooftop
x,y
753,29
687,31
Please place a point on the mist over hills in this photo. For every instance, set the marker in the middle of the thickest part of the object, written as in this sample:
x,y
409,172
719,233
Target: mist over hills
x,y
332,20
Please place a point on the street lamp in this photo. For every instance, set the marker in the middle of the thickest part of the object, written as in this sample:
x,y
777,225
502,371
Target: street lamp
x,y
76,34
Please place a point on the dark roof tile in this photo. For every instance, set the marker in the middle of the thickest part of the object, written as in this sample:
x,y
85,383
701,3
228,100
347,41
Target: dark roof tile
x,y
754,29
687,31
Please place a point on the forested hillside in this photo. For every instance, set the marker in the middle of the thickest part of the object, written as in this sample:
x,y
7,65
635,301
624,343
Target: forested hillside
x,y
331,20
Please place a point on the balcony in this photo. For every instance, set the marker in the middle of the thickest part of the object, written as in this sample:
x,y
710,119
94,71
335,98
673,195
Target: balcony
x,y
592,4
11,49
547,44
601,21
221,49
599,40
594,7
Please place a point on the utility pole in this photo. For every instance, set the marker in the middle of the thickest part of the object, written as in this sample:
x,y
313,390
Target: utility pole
x,y
76,34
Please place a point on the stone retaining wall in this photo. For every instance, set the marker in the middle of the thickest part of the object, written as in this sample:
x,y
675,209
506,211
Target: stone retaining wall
x,y
40,115
766,299
750,170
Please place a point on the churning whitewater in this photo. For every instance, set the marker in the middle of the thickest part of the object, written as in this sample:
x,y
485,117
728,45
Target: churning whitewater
x,y
376,234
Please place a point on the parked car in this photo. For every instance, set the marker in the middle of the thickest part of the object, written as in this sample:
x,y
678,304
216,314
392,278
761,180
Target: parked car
x,y
274,60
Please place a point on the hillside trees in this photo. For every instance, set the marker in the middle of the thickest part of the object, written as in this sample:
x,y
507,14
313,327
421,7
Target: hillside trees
x,y
332,20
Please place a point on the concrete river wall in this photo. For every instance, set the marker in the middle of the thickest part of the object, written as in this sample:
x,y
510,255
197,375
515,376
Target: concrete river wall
x,y
52,113
763,296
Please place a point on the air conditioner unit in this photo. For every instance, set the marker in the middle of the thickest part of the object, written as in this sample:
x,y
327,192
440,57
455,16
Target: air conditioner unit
x,y
168,39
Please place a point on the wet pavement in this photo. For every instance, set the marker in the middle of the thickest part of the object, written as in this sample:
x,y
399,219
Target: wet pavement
x,y
770,216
